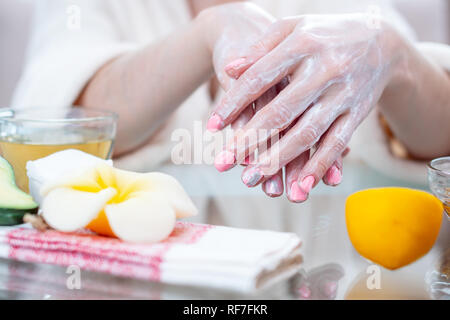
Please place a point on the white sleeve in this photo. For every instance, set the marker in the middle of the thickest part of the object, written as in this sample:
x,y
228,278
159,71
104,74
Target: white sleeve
x,y
69,43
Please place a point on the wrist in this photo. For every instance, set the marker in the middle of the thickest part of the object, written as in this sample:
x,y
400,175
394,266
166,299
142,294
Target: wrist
x,y
201,39
398,51
204,23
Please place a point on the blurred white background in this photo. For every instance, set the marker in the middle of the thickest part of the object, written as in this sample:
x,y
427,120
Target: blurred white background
x,y
15,23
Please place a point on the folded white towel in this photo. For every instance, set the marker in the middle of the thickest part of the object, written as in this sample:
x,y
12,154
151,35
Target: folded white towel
x,y
198,255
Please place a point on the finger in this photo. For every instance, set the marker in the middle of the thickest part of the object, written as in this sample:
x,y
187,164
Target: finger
x,y
261,76
259,104
274,35
243,118
283,84
273,187
266,98
222,162
226,159
241,121
346,152
266,124
330,149
301,137
292,172
333,176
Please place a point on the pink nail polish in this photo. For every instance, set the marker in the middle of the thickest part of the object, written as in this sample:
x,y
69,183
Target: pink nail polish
x,y
233,67
330,288
224,161
274,186
304,292
251,177
334,176
307,184
297,194
215,123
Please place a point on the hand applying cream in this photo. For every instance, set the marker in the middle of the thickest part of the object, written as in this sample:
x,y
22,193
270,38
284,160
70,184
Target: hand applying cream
x,y
338,69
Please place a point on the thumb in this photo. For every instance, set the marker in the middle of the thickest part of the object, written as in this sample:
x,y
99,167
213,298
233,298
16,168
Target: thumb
x,y
274,35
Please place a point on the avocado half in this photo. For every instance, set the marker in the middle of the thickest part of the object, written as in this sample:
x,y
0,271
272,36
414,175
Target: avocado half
x,y
14,203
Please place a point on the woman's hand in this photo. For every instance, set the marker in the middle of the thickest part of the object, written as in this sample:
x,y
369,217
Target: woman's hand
x,y
228,30
237,26
338,67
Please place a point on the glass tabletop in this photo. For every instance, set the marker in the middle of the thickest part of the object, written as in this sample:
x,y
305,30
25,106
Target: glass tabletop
x,y
331,268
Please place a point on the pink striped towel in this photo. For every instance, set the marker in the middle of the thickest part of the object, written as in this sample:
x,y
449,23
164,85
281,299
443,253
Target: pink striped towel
x,y
194,254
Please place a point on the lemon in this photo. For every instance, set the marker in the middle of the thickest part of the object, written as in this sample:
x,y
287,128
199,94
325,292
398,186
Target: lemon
x,y
393,227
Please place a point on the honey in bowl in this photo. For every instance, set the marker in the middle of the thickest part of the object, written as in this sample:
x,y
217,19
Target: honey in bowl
x,y
18,154
34,133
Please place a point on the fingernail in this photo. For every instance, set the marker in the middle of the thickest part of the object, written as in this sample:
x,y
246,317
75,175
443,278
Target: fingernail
x,y
215,123
334,176
251,177
224,161
307,184
274,186
304,292
297,194
330,288
233,67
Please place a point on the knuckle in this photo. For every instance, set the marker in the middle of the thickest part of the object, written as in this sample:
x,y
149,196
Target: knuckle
x,y
339,145
250,82
310,41
272,168
308,135
279,115
332,67
260,46
279,27
322,166
295,47
267,42
338,68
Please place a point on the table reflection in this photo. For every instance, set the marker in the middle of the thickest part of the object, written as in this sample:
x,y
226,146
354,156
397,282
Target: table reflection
x,y
331,268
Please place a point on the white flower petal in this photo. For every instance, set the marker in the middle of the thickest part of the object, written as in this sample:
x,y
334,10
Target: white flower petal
x,y
67,210
147,218
57,166
169,188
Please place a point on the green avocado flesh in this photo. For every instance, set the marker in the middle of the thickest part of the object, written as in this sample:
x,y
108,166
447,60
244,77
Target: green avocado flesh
x,y
14,203
11,217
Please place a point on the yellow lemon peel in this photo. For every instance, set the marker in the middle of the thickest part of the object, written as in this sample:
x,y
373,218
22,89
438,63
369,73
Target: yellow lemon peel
x,y
393,227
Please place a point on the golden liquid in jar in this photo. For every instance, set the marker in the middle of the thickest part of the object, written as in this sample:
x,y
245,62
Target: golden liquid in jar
x,y
19,153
